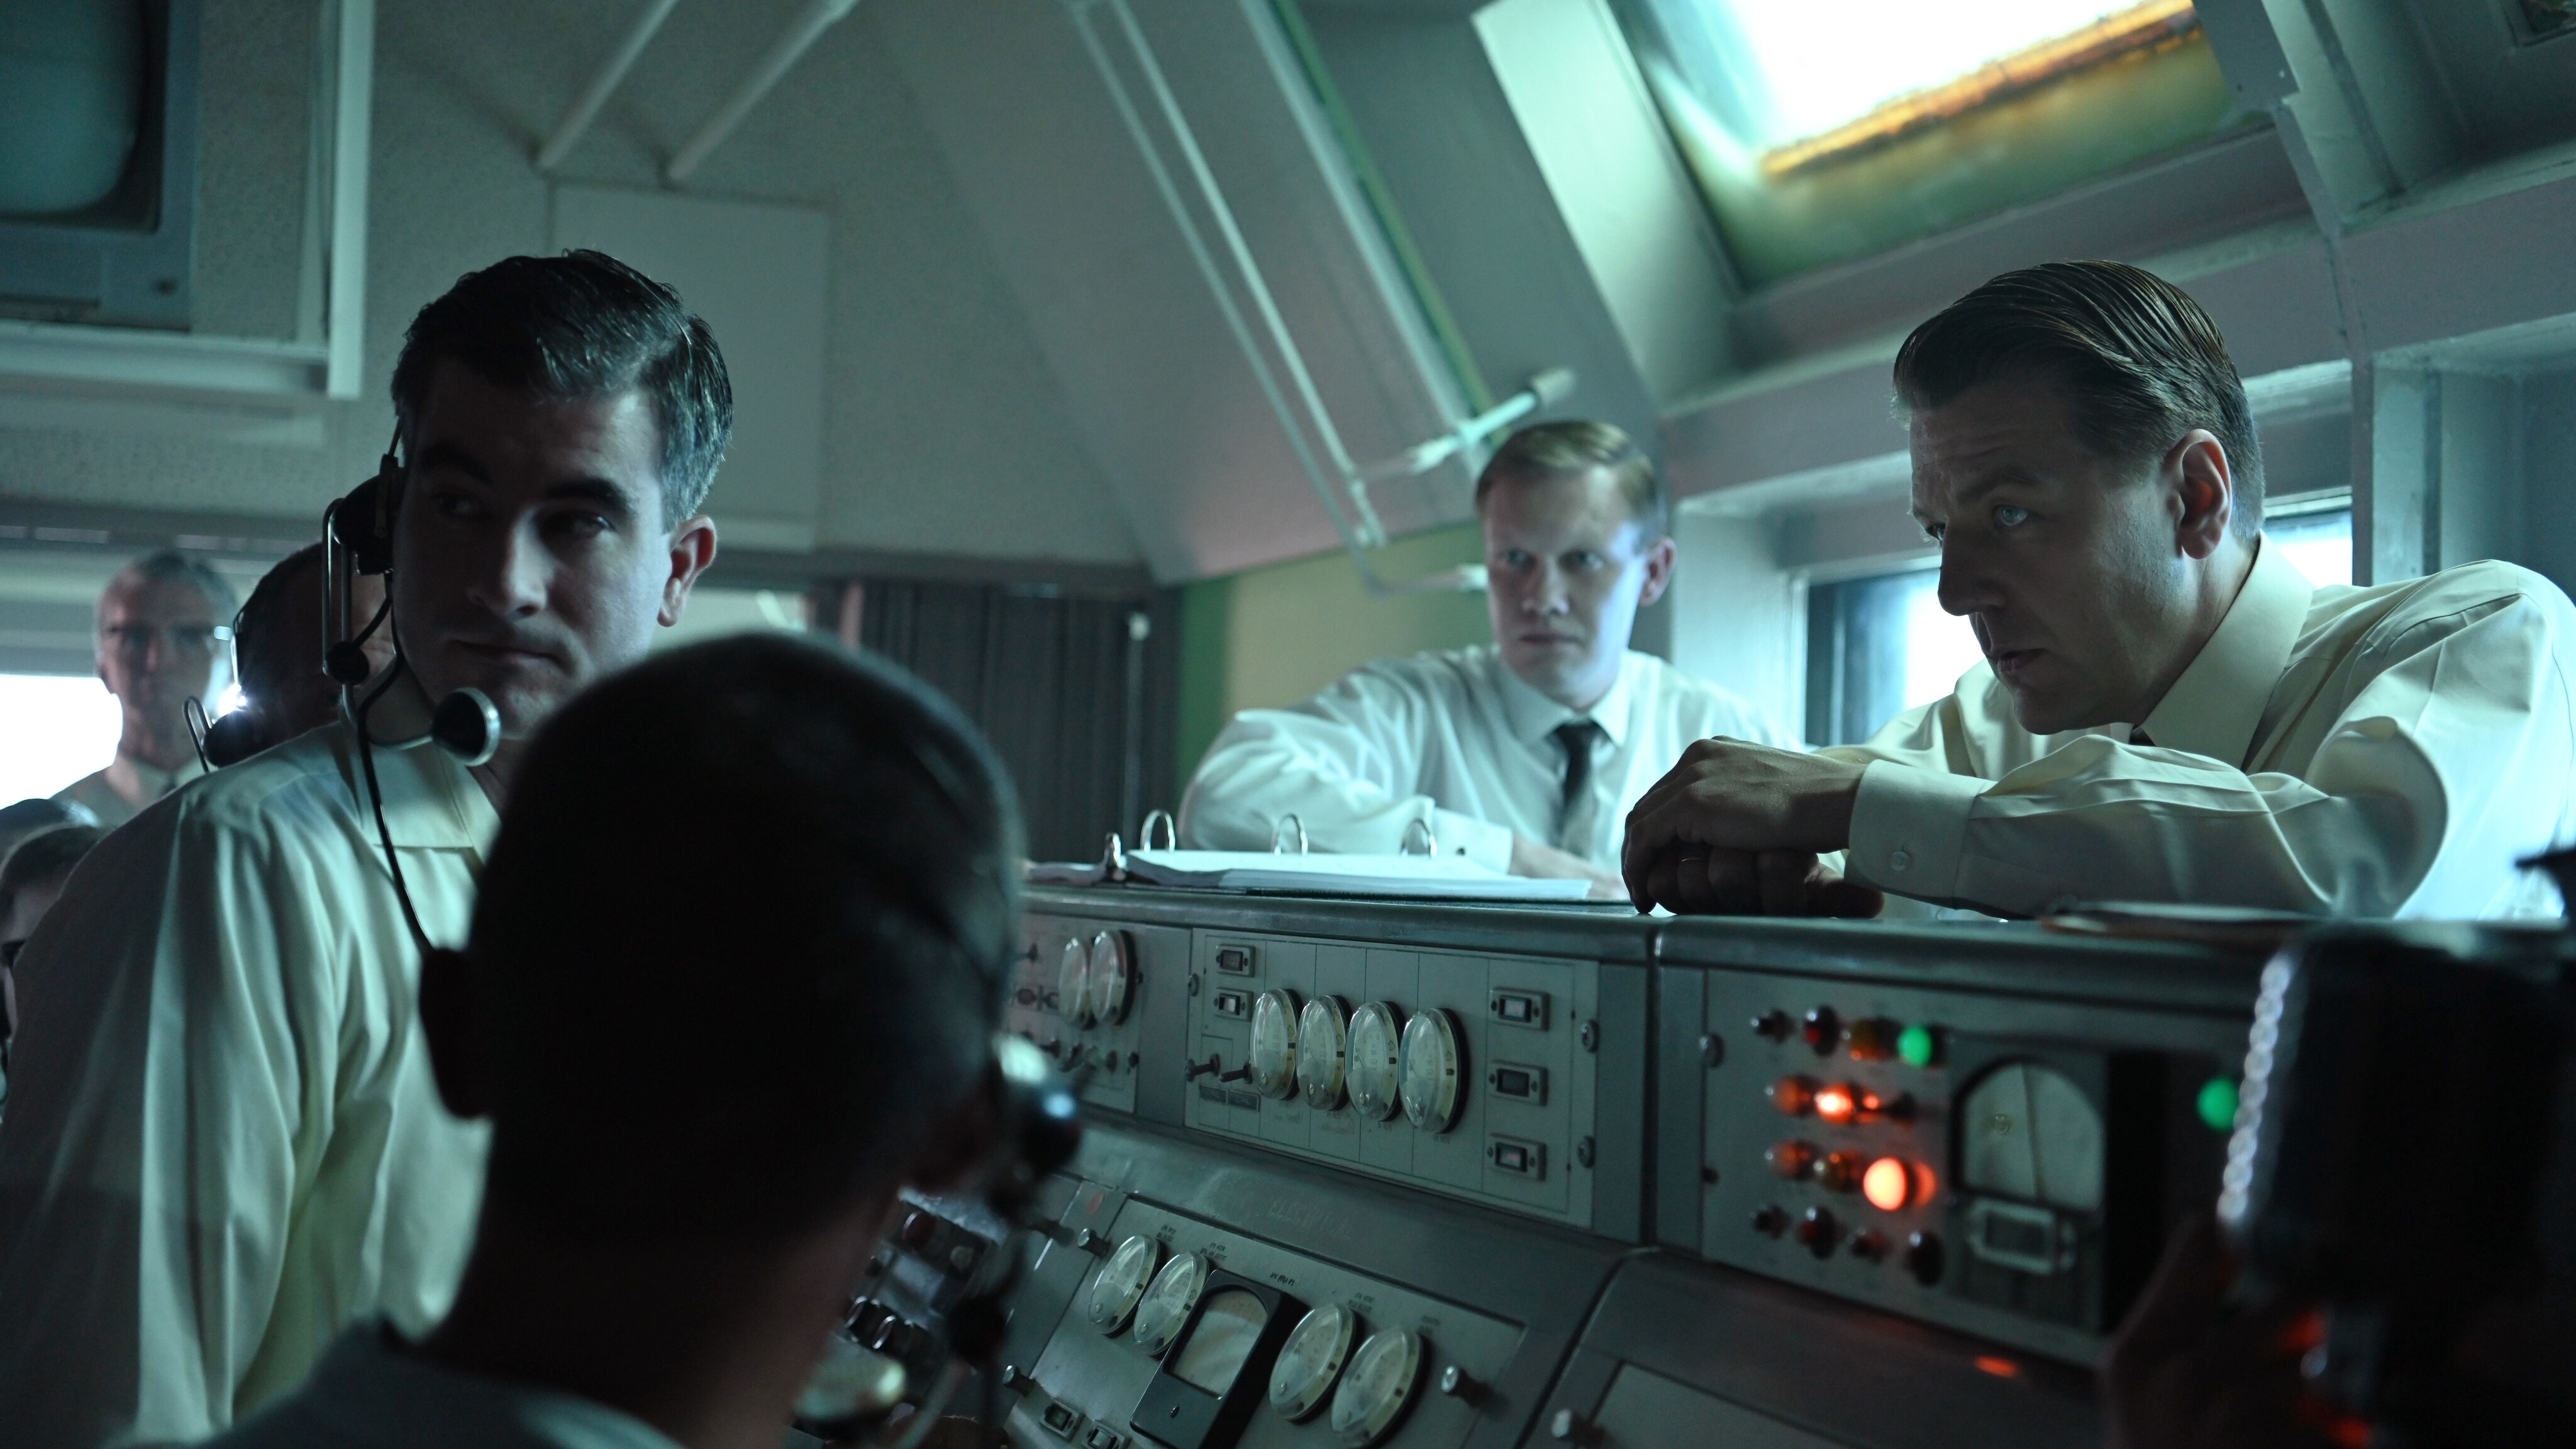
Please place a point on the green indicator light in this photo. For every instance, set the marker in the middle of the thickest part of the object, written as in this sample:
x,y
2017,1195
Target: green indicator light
x,y
1917,1046
2218,1103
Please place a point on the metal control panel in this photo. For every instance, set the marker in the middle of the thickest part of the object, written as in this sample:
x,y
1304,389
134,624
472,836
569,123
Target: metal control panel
x,y
1987,1128
1490,1056
1465,1072
1636,1180
1192,1295
1089,991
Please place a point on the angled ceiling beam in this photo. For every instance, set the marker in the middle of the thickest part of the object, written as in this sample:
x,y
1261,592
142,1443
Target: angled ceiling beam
x,y
808,27
569,131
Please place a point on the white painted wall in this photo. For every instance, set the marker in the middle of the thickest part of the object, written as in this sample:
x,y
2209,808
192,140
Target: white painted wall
x,y
943,430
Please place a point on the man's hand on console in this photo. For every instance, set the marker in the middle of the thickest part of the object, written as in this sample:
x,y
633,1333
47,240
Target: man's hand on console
x,y
1549,863
1735,829
1701,880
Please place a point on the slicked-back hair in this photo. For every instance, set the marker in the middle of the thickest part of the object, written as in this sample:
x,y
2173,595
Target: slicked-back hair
x,y
170,566
582,325
1544,450
737,1046
2139,359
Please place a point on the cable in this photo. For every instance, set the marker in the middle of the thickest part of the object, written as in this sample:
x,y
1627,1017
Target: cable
x,y
367,762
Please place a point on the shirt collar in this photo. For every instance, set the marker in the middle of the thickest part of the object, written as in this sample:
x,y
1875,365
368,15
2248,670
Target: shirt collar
x,y
431,802
156,781
2212,710
1533,716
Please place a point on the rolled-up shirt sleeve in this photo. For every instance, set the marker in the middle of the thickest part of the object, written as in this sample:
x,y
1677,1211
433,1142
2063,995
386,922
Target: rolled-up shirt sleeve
x,y
2451,759
1345,763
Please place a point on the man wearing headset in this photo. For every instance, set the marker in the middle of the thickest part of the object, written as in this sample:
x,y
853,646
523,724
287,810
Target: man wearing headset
x,y
224,1143
689,1176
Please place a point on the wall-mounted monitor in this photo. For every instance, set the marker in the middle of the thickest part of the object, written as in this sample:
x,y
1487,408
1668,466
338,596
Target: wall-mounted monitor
x,y
98,161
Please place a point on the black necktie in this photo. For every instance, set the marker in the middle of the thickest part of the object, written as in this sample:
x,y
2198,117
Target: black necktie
x,y
1577,737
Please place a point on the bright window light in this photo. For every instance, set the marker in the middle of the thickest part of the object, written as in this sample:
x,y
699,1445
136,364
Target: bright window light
x,y
1820,133
60,728
2317,544
1939,645
1823,66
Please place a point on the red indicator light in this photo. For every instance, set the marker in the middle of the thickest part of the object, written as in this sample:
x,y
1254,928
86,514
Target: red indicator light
x,y
1887,1184
1793,1095
1836,1104
1791,1160
2002,1368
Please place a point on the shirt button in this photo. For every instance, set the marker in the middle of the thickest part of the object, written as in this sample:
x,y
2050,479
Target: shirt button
x,y
1899,860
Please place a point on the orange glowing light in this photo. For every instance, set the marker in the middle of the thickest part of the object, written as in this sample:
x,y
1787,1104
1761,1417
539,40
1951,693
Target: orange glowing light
x,y
1888,1184
1836,1104
2002,1368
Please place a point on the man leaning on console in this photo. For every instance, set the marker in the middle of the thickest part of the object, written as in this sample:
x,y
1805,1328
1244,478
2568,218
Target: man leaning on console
x,y
2168,711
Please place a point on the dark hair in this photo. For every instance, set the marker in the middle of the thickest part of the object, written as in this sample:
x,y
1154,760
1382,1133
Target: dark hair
x,y
1577,446
577,326
43,856
738,1048
262,634
170,566
2141,361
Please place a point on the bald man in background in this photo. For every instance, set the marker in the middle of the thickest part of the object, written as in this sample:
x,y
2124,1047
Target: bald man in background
x,y
159,621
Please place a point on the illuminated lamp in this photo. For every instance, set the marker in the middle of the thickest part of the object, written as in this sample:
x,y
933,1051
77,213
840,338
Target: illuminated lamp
x,y
1888,1184
1837,1103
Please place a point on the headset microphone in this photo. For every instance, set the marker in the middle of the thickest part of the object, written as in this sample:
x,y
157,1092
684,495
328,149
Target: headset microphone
x,y
358,538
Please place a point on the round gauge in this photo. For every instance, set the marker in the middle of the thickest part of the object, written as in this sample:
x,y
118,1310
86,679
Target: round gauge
x,y
1168,1301
1323,1041
1378,1387
1113,977
1073,984
1311,1359
1121,1282
1376,1059
1431,1071
1274,1044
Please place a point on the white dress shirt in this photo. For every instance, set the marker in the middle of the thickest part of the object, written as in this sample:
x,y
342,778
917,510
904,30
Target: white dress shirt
x,y
1457,740
2383,751
373,1392
99,793
223,1144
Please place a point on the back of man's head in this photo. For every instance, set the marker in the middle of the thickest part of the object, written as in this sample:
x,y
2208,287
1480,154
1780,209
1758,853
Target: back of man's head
x,y
582,325
277,640
1575,446
2140,361
741,942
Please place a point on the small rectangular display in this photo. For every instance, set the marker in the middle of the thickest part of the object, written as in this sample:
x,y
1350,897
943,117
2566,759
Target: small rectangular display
x,y
1519,1008
1236,960
1229,1326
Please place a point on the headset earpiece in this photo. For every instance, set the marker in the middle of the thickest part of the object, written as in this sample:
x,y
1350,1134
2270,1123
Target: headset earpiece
x,y
363,522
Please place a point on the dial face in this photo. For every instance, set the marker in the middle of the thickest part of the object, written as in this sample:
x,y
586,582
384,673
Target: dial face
x,y
1073,984
1377,1387
1376,1059
1113,977
1323,1041
1311,1359
1168,1301
1122,1282
1431,1071
2030,1132
1274,1044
